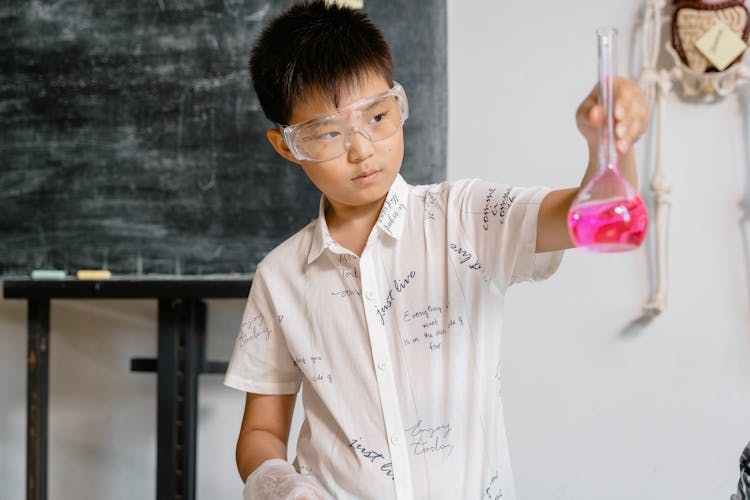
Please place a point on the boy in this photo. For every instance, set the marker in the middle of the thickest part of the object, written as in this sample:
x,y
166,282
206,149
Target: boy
x,y
389,305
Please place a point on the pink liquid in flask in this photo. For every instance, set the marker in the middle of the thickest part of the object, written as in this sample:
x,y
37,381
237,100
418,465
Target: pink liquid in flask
x,y
610,226
607,214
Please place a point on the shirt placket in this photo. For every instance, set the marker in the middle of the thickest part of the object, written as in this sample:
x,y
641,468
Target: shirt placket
x,y
384,375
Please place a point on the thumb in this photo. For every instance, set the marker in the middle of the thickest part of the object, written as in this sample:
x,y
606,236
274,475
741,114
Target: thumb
x,y
589,113
595,116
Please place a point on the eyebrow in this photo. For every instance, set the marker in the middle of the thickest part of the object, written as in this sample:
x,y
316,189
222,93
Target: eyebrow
x,y
324,121
376,100
330,118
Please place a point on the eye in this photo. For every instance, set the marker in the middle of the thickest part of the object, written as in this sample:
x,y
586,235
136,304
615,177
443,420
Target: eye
x,y
378,118
326,136
322,134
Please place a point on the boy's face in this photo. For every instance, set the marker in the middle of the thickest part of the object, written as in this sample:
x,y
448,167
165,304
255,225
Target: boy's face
x,y
362,175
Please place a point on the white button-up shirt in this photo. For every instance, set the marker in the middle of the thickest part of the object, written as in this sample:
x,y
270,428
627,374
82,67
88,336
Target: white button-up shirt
x,y
397,351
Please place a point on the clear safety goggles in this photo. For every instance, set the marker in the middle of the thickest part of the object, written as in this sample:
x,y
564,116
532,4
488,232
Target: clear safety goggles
x,y
328,137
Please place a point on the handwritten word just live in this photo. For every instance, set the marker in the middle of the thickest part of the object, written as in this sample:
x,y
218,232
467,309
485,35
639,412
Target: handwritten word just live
x,y
398,287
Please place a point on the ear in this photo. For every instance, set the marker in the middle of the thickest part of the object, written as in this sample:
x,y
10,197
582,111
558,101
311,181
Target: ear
x,y
279,144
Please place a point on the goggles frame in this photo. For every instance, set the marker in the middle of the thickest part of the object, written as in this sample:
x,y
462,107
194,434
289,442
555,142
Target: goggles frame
x,y
288,131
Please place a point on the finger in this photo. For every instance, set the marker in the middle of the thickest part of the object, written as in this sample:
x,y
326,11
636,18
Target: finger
x,y
627,135
627,100
621,130
637,127
632,127
631,105
624,127
641,119
624,137
634,116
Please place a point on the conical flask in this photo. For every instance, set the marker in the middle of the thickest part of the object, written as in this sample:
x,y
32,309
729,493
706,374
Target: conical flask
x,y
607,215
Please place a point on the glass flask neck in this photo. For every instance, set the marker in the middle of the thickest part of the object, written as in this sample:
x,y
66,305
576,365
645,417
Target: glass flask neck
x,y
606,41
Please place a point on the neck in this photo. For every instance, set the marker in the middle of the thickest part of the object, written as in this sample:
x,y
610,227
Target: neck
x,y
339,215
350,225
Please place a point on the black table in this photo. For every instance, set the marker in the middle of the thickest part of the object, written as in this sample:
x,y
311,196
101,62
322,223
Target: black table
x,y
181,357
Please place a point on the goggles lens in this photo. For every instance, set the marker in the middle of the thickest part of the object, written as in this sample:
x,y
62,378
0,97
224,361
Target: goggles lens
x,y
329,137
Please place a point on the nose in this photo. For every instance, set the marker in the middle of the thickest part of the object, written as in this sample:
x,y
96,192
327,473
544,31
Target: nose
x,y
360,146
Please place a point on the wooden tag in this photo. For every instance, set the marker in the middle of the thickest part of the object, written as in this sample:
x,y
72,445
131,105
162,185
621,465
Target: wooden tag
x,y
721,45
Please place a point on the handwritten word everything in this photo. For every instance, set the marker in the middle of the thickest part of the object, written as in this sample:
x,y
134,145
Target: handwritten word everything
x,y
425,313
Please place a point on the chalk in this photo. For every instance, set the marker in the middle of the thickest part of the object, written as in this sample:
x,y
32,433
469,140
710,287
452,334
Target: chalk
x,y
48,274
351,4
93,274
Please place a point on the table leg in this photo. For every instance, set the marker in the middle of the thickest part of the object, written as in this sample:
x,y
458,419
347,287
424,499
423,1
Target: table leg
x,y
182,326
37,399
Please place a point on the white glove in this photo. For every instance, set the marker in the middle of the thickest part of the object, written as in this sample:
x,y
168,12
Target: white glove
x,y
276,479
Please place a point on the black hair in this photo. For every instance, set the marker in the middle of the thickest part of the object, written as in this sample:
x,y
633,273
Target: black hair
x,y
315,46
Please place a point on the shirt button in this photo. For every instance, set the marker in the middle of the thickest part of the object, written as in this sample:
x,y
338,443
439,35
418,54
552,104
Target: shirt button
x,y
381,365
370,294
394,440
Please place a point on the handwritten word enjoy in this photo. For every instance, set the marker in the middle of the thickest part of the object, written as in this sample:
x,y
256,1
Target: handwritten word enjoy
x,y
392,210
430,439
254,328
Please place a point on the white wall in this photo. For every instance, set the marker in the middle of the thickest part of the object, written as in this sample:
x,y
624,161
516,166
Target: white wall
x,y
103,417
598,405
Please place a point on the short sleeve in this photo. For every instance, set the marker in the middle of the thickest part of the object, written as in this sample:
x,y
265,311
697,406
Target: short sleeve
x,y
261,362
500,223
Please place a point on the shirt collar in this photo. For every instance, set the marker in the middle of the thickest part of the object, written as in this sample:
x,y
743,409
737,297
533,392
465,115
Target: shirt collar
x,y
393,215
390,221
321,238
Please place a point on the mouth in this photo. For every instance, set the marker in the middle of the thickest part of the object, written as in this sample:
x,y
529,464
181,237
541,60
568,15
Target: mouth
x,y
365,177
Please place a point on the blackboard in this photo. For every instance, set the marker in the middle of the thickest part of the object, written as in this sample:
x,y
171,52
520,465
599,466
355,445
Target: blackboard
x,y
132,140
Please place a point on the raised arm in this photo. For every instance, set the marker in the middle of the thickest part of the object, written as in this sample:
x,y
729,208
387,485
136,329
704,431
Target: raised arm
x,y
631,121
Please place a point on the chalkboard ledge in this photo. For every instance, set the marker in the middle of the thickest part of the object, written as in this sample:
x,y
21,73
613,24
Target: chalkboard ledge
x,y
130,287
